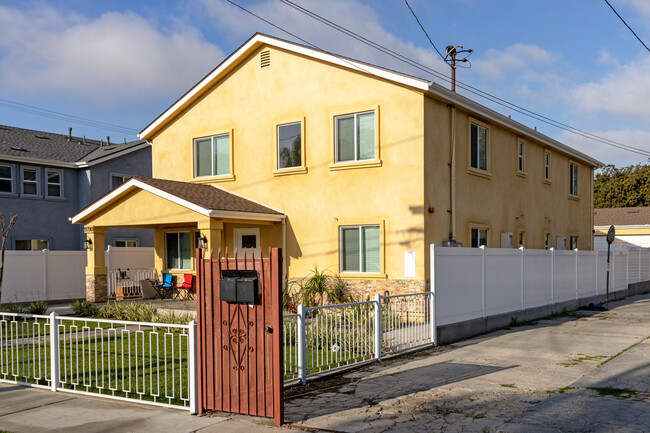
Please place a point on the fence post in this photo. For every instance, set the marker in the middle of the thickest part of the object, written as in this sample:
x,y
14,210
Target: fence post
x,y
576,272
521,274
612,275
302,344
552,275
378,331
627,269
597,262
54,351
482,247
193,385
639,279
432,297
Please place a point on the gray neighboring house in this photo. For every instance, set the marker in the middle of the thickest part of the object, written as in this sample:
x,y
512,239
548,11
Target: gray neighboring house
x,y
45,178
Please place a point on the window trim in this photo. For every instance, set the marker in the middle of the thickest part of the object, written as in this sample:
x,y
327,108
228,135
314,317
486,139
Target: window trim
x,y
547,166
177,231
363,163
302,168
571,239
521,238
125,240
37,182
113,174
474,170
31,242
61,195
12,180
573,195
382,249
478,226
521,157
214,177
547,237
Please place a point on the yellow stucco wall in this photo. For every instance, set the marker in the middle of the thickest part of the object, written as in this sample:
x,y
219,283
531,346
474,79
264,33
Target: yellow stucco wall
x,y
252,100
504,200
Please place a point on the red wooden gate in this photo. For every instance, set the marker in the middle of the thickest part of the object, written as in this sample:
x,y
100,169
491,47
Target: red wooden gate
x,y
240,346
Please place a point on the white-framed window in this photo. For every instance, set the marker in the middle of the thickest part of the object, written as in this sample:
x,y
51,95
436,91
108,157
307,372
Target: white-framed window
x,y
573,242
521,238
131,243
479,236
118,179
6,179
520,154
354,137
478,147
212,156
289,147
178,250
54,183
31,244
360,249
30,185
547,165
547,240
573,179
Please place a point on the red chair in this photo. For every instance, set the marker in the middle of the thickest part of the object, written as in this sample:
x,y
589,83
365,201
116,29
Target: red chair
x,y
186,290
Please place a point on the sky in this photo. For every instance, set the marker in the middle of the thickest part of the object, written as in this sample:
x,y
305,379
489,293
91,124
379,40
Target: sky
x,y
123,63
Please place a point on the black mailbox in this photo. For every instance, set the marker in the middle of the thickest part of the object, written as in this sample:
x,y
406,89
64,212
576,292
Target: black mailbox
x,y
239,286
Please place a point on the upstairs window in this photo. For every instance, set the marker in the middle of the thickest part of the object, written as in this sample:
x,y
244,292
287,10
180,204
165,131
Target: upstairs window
x,y
547,165
6,179
30,181
117,180
131,243
54,180
290,145
547,241
31,244
360,249
573,242
573,179
355,137
212,156
478,147
479,237
520,155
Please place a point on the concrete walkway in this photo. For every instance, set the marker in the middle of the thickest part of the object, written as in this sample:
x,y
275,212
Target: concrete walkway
x,y
587,372
545,378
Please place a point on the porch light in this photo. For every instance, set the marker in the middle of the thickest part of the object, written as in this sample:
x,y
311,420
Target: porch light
x,y
88,244
202,241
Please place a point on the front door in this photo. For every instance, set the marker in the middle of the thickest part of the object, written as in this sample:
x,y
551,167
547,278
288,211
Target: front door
x,y
247,240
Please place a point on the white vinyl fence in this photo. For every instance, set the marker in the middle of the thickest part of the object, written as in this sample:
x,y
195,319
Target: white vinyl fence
x,y
59,275
471,283
150,363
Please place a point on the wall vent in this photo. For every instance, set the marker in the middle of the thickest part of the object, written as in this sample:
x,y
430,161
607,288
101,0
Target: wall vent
x,y
265,59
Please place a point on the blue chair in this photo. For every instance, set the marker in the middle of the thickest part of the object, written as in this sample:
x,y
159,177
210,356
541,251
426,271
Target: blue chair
x,y
166,288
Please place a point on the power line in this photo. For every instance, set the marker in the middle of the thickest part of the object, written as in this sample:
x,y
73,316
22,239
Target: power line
x,y
621,18
13,105
467,87
425,32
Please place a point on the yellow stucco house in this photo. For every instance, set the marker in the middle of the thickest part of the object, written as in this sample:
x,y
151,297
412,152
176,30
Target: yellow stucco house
x,y
346,166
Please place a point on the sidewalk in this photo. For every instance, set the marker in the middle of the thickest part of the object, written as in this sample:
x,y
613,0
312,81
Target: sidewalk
x,y
547,377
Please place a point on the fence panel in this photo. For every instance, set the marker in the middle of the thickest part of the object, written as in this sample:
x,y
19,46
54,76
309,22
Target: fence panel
x,y
645,264
564,276
126,283
406,322
292,345
65,281
634,266
458,284
23,277
602,272
502,280
129,257
586,273
620,271
537,285
25,349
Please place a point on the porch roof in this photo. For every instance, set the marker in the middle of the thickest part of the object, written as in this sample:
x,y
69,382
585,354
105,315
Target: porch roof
x,y
207,200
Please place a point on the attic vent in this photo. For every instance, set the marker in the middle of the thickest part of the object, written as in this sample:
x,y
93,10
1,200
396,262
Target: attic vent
x,y
265,59
41,137
19,149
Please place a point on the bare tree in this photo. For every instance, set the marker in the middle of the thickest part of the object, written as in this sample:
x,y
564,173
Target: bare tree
x,y
5,228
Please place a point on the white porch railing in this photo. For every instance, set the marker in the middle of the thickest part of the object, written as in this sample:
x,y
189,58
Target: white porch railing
x,y
149,363
125,283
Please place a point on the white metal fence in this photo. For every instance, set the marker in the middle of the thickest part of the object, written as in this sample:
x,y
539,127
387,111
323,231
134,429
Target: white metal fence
x,y
149,363
125,283
332,337
471,283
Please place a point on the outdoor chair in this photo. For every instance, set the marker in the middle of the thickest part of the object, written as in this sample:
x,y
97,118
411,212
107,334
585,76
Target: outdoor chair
x,y
166,289
148,292
185,291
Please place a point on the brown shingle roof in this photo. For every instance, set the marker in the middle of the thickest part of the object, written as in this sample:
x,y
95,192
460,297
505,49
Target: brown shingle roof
x,y
622,216
207,196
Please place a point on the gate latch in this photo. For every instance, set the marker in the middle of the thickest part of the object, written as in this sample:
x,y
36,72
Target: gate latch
x,y
269,329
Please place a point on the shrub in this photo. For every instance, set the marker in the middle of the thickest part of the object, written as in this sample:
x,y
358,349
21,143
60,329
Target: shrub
x,y
13,308
37,307
83,308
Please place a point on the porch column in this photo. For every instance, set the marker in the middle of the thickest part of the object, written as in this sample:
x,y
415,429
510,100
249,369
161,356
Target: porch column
x,y
96,284
213,231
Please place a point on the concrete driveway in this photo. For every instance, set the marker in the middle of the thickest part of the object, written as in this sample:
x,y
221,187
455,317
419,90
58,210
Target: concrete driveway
x,y
584,372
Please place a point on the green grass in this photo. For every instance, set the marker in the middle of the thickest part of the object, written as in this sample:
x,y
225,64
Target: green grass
x,y
582,358
329,358
508,385
562,390
620,393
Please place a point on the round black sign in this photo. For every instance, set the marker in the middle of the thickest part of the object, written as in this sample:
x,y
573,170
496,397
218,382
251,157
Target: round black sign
x,y
611,235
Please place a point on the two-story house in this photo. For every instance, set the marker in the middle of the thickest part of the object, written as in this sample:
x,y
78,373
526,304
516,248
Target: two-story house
x,y
346,166
46,177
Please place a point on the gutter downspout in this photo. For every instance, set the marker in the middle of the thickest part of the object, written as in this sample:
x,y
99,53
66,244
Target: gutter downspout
x,y
452,187
284,249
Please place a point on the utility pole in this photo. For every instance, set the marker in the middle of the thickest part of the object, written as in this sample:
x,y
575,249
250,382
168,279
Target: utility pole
x,y
451,60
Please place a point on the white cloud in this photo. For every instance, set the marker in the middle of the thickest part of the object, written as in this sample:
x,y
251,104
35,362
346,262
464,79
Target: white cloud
x,y
609,154
624,93
514,60
607,58
641,6
118,58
